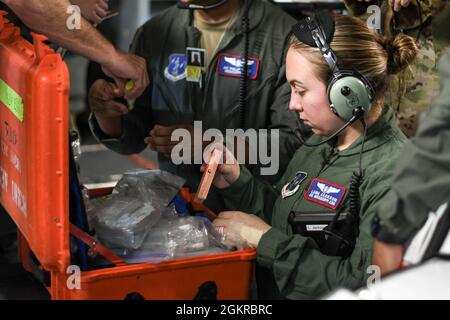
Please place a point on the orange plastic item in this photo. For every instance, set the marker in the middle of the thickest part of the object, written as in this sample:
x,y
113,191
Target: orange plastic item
x,y
34,189
208,177
176,279
34,107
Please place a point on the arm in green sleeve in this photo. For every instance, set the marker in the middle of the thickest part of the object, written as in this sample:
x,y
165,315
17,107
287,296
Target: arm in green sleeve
x,y
251,195
303,272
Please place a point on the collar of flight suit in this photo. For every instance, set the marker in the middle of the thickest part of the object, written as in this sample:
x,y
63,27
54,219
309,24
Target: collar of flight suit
x,y
256,14
378,134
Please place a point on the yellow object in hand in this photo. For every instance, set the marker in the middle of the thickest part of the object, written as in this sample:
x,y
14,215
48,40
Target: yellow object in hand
x,y
129,85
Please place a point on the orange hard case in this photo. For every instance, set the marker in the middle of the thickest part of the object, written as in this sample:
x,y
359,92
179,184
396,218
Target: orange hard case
x,y
34,189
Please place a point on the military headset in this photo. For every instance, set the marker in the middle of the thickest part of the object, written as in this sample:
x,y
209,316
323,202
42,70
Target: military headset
x,y
350,93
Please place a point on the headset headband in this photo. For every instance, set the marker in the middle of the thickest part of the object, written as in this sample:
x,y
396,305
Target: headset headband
x,y
318,31
325,49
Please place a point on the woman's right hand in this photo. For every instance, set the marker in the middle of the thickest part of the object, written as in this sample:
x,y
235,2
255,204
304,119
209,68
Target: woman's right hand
x,y
228,171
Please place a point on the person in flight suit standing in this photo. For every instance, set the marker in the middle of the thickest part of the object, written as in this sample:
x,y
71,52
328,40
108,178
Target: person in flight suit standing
x,y
222,36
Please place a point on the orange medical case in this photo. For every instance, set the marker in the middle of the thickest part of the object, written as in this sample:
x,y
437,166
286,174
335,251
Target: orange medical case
x,y
34,189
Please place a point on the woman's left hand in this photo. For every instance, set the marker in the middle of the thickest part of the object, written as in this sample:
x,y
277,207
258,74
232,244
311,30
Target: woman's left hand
x,y
241,229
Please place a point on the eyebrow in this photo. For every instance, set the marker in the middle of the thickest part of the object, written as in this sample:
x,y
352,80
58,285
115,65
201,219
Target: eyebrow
x,y
295,82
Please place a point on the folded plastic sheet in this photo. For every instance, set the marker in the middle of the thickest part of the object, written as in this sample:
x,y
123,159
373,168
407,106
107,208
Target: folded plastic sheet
x,y
136,205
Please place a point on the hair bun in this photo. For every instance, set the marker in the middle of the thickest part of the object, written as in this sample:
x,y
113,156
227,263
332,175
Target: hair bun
x,y
402,51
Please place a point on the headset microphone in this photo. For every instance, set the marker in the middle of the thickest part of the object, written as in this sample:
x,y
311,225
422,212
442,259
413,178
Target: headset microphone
x,y
193,6
358,115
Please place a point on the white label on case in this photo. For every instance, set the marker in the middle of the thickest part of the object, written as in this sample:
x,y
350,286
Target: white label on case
x,y
315,227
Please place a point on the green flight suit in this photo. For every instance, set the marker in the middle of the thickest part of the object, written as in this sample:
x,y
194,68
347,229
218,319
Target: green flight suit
x,y
290,265
422,177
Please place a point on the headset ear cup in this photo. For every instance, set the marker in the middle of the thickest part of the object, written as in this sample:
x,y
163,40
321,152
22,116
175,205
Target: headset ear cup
x,y
334,103
346,93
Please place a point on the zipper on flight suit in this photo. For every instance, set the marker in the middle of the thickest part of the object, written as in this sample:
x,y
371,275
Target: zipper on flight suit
x,y
332,155
194,41
211,70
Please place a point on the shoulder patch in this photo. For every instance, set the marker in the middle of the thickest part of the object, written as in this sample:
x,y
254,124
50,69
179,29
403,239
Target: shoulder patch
x,y
176,70
292,187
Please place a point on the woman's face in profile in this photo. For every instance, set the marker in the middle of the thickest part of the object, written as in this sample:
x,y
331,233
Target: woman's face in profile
x,y
309,95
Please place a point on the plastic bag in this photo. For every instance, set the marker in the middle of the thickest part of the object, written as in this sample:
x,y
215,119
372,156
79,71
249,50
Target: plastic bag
x,y
137,203
175,238
160,183
125,221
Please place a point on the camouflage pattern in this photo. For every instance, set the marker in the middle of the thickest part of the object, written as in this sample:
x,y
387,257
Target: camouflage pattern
x,y
408,18
412,91
421,83
438,6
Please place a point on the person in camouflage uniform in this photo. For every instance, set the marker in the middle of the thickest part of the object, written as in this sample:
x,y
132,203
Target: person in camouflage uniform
x,y
412,92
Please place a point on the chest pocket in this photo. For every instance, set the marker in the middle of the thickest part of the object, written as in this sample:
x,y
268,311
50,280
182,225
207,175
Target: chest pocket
x,y
335,233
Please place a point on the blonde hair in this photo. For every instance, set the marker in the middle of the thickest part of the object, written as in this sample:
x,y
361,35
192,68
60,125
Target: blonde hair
x,y
358,48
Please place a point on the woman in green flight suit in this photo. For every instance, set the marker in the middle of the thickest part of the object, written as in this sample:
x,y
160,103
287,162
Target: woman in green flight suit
x,y
297,257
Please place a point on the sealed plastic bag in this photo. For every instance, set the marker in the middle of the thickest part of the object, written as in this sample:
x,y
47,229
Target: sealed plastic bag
x,y
175,238
137,203
125,221
160,183
181,235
